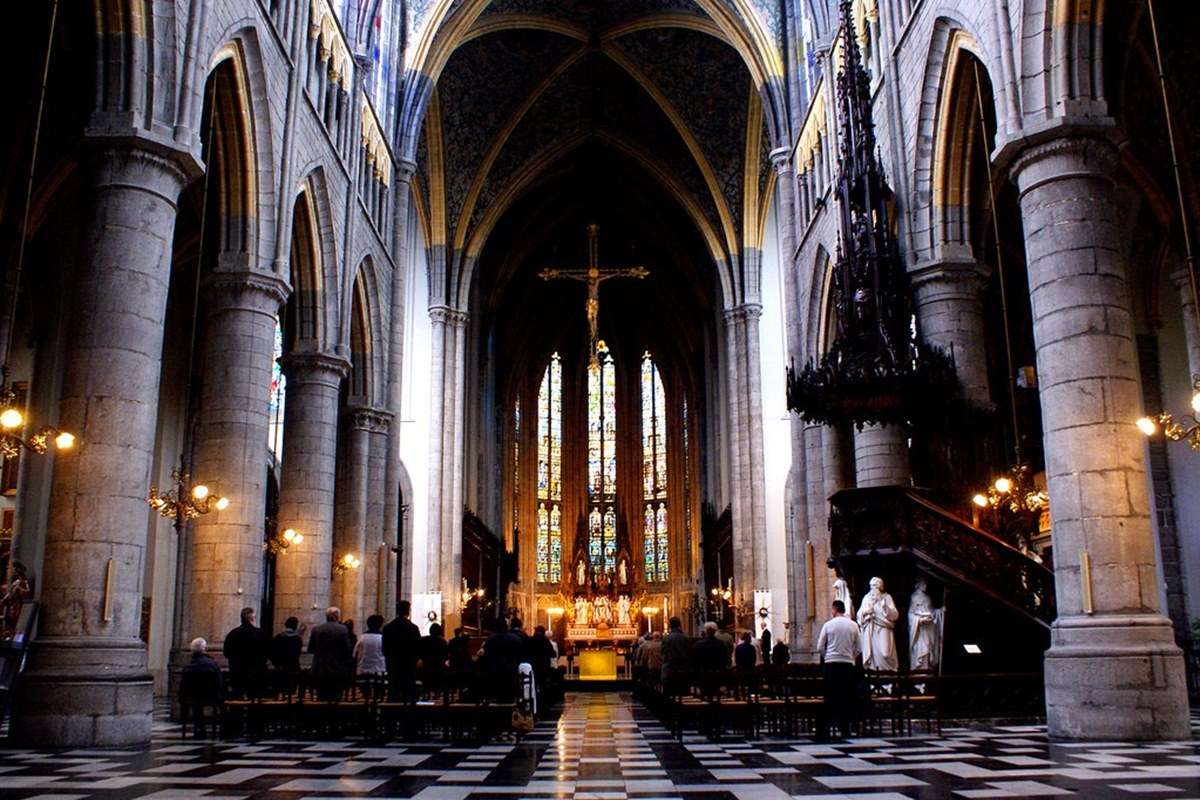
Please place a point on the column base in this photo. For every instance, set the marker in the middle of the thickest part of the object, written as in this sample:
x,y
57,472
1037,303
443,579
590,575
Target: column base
x,y
85,693
1116,678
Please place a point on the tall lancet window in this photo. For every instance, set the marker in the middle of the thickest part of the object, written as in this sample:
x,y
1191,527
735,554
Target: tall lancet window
x,y
277,394
549,474
654,472
516,465
602,463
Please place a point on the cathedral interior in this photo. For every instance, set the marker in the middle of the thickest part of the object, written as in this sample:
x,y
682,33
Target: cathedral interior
x,y
594,314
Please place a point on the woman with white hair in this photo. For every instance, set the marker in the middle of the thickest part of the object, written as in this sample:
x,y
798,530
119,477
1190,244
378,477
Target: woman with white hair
x,y
200,685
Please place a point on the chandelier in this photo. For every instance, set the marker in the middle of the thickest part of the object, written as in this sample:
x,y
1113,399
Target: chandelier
x,y
346,563
280,542
1184,429
185,501
1015,493
12,420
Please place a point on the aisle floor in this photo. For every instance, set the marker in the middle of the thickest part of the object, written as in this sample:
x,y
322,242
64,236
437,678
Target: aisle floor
x,y
604,745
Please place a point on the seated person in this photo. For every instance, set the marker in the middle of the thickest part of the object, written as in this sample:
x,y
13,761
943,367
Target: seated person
x,y
199,685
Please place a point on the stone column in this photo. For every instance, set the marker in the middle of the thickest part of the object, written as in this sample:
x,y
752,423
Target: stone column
x,y
401,234
949,308
352,495
817,500
1191,329
881,456
753,426
1113,670
377,554
231,454
307,484
446,457
87,683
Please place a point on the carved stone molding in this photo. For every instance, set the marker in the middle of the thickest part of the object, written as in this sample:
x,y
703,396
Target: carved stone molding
x,y
246,290
321,368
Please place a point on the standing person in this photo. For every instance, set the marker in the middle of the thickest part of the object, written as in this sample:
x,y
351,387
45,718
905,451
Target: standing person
x,y
333,658
432,652
246,650
287,646
726,638
501,653
650,654
764,646
350,630
400,640
675,650
839,646
745,655
459,649
709,653
780,655
368,650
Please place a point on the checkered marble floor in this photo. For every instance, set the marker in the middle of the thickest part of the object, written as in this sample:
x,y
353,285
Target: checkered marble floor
x,y
607,746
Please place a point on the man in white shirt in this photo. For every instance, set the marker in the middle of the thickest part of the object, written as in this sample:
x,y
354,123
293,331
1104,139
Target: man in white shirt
x,y
839,645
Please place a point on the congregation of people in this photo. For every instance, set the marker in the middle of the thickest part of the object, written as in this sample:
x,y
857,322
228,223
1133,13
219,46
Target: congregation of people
x,y
409,664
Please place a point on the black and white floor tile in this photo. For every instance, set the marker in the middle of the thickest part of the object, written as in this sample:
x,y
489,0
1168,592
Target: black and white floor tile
x,y
607,747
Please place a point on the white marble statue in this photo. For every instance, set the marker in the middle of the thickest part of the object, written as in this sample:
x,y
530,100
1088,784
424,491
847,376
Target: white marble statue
x,y
623,572
603,610
581,573
877,617
623,606
924,630
841,591
581,612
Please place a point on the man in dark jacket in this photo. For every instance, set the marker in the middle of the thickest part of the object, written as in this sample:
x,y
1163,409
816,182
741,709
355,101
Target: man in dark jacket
x,y
676,650
709,654
745,655
432,652
333,658
502,651
246,650
459,649
287,646
401,639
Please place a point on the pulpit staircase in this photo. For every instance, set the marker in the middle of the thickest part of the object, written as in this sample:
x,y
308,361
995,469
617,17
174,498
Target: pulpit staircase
x,y
998,601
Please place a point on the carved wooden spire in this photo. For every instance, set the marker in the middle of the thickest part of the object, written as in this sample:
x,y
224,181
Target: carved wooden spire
x,y
873,372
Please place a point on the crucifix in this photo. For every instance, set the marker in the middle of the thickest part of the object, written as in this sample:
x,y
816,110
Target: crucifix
x,y
593,276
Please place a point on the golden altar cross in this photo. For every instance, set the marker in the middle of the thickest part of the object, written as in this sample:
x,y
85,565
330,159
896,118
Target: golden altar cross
x,y
593,276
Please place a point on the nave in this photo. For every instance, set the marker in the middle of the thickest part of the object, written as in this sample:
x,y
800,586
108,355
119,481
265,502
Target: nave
x,y
605,745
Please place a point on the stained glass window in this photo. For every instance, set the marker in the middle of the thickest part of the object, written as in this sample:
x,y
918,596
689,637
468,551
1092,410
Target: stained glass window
x,y
278,390
654,472
516,463
549,473
602,463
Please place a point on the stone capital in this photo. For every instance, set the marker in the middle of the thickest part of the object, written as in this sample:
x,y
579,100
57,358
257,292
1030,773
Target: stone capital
x,y
245,290
1075,155
746,312
957,276
406,168
371,420
1181,279
449,316
781,159
318,368
127,165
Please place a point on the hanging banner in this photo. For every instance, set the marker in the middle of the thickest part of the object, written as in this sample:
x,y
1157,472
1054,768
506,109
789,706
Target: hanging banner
x,y
427,609
762,613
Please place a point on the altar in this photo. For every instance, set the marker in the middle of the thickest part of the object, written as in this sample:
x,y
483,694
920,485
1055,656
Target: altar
x,y
617,633
598,664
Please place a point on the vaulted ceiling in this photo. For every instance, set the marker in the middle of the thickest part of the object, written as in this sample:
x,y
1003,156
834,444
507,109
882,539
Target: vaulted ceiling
x,y
534,84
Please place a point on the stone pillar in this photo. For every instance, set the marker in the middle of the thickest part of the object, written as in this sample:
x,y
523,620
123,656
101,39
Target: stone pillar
x,y
87,683
446,457
231,455
753,426
401,235
881,456
1113,670
377,555
1191,329
350,534
817,533
307,484
738,496
949,308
